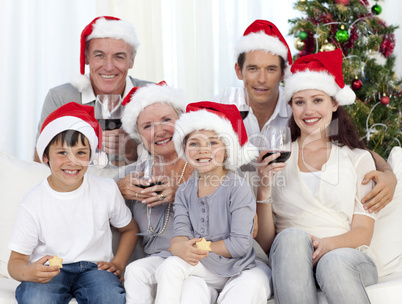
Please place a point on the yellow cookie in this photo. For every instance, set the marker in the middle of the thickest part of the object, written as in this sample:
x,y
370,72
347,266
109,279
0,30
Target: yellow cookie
x,y
55,261
204,245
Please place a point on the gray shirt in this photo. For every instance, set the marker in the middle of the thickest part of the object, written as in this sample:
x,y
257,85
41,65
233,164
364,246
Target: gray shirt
x,y
153,245
226,214
65,93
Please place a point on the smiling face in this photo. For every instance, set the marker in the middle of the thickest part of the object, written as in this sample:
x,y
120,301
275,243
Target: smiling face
x,y
205,152
155,125
109,61
261,74
67,164
312,110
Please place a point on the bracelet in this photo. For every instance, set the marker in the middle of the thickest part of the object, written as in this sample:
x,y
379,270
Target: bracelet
x,y
267,201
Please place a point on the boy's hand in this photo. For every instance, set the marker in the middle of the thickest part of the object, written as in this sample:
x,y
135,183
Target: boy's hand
x,y
39,273
188,251
113,268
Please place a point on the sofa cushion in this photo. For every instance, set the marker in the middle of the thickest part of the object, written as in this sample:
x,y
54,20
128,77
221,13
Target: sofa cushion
x,y
387,238
17,178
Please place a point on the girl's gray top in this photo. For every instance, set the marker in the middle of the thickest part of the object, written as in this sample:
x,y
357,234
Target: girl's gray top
x,y
226,214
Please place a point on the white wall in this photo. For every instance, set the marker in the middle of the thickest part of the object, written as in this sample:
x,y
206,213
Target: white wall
x,y
188,43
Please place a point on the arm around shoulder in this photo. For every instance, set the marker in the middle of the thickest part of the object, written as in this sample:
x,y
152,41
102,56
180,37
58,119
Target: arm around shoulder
x,y
385,184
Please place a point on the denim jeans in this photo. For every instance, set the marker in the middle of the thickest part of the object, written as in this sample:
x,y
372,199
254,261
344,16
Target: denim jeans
x,y
341,274
81,280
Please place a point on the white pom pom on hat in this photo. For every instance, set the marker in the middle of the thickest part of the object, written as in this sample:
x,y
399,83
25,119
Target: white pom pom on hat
x,y
320,71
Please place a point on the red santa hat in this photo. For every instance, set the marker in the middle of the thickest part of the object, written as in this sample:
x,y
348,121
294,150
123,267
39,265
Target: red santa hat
x,y
265,36
320,71
71,116
225,120
104,27
141,97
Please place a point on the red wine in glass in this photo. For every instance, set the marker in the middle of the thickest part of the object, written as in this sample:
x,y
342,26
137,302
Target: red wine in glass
x,y
281,159
243,114
151,185
110,124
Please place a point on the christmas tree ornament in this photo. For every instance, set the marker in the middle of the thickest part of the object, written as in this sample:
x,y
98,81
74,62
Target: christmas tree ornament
x,y
303,35
302,1
356,84
344,2
299,44
376,9
327,47
342,35
384,100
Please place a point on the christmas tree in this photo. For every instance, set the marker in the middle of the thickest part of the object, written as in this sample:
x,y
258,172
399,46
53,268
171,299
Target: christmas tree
x,y
367,44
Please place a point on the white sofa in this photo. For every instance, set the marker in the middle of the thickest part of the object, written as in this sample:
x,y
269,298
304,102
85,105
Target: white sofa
x,y
18,177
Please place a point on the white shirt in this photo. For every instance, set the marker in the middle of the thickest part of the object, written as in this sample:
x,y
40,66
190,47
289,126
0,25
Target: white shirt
x,y
279,117
73,225
330,210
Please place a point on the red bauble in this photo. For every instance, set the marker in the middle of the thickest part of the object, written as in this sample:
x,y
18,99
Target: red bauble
x,y
344,2
384,100
357,84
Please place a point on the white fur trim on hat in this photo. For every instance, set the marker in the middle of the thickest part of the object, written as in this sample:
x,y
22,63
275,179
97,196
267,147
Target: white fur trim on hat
x,y
204,120
146,96
322,81
116,29
261,41
80,82
62,124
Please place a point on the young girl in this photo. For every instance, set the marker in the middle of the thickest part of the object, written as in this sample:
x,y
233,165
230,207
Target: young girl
x,y
323,229
214,204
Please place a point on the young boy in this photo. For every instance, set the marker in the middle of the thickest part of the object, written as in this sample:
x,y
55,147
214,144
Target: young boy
x,y
69,215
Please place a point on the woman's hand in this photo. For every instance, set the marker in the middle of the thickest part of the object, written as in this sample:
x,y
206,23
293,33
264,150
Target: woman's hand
x,y
266,172
129,189
321,247
187,250
163,191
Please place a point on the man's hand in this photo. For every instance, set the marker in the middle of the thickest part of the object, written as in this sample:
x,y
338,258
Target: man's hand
x,y
382,193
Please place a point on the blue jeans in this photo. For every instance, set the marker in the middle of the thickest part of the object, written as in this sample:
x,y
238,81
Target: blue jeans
x,y
81,280
341,274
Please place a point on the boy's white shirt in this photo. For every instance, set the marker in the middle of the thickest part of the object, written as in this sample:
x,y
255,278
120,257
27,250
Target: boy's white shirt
x,y
72,225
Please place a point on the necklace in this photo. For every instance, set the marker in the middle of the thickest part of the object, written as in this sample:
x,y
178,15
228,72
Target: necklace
x,y
168,209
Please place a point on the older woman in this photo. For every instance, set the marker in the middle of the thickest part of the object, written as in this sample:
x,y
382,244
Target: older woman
x,y
150,117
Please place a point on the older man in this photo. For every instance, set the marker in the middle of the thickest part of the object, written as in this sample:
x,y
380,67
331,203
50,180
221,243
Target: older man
x,y
108,46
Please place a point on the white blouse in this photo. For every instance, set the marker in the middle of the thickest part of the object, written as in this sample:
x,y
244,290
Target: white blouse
x,y
329,211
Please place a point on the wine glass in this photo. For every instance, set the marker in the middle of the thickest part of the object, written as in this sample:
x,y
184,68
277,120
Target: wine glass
x,y
150,166
237,96
109,111
276,139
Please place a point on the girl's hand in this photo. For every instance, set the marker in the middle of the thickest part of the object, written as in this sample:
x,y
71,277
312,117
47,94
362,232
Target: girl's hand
x,y
129,189
320,248
39,273
113,268
188,251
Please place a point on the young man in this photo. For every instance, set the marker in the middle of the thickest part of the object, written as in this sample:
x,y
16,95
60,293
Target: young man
x,y
263,58
69,215
108,46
